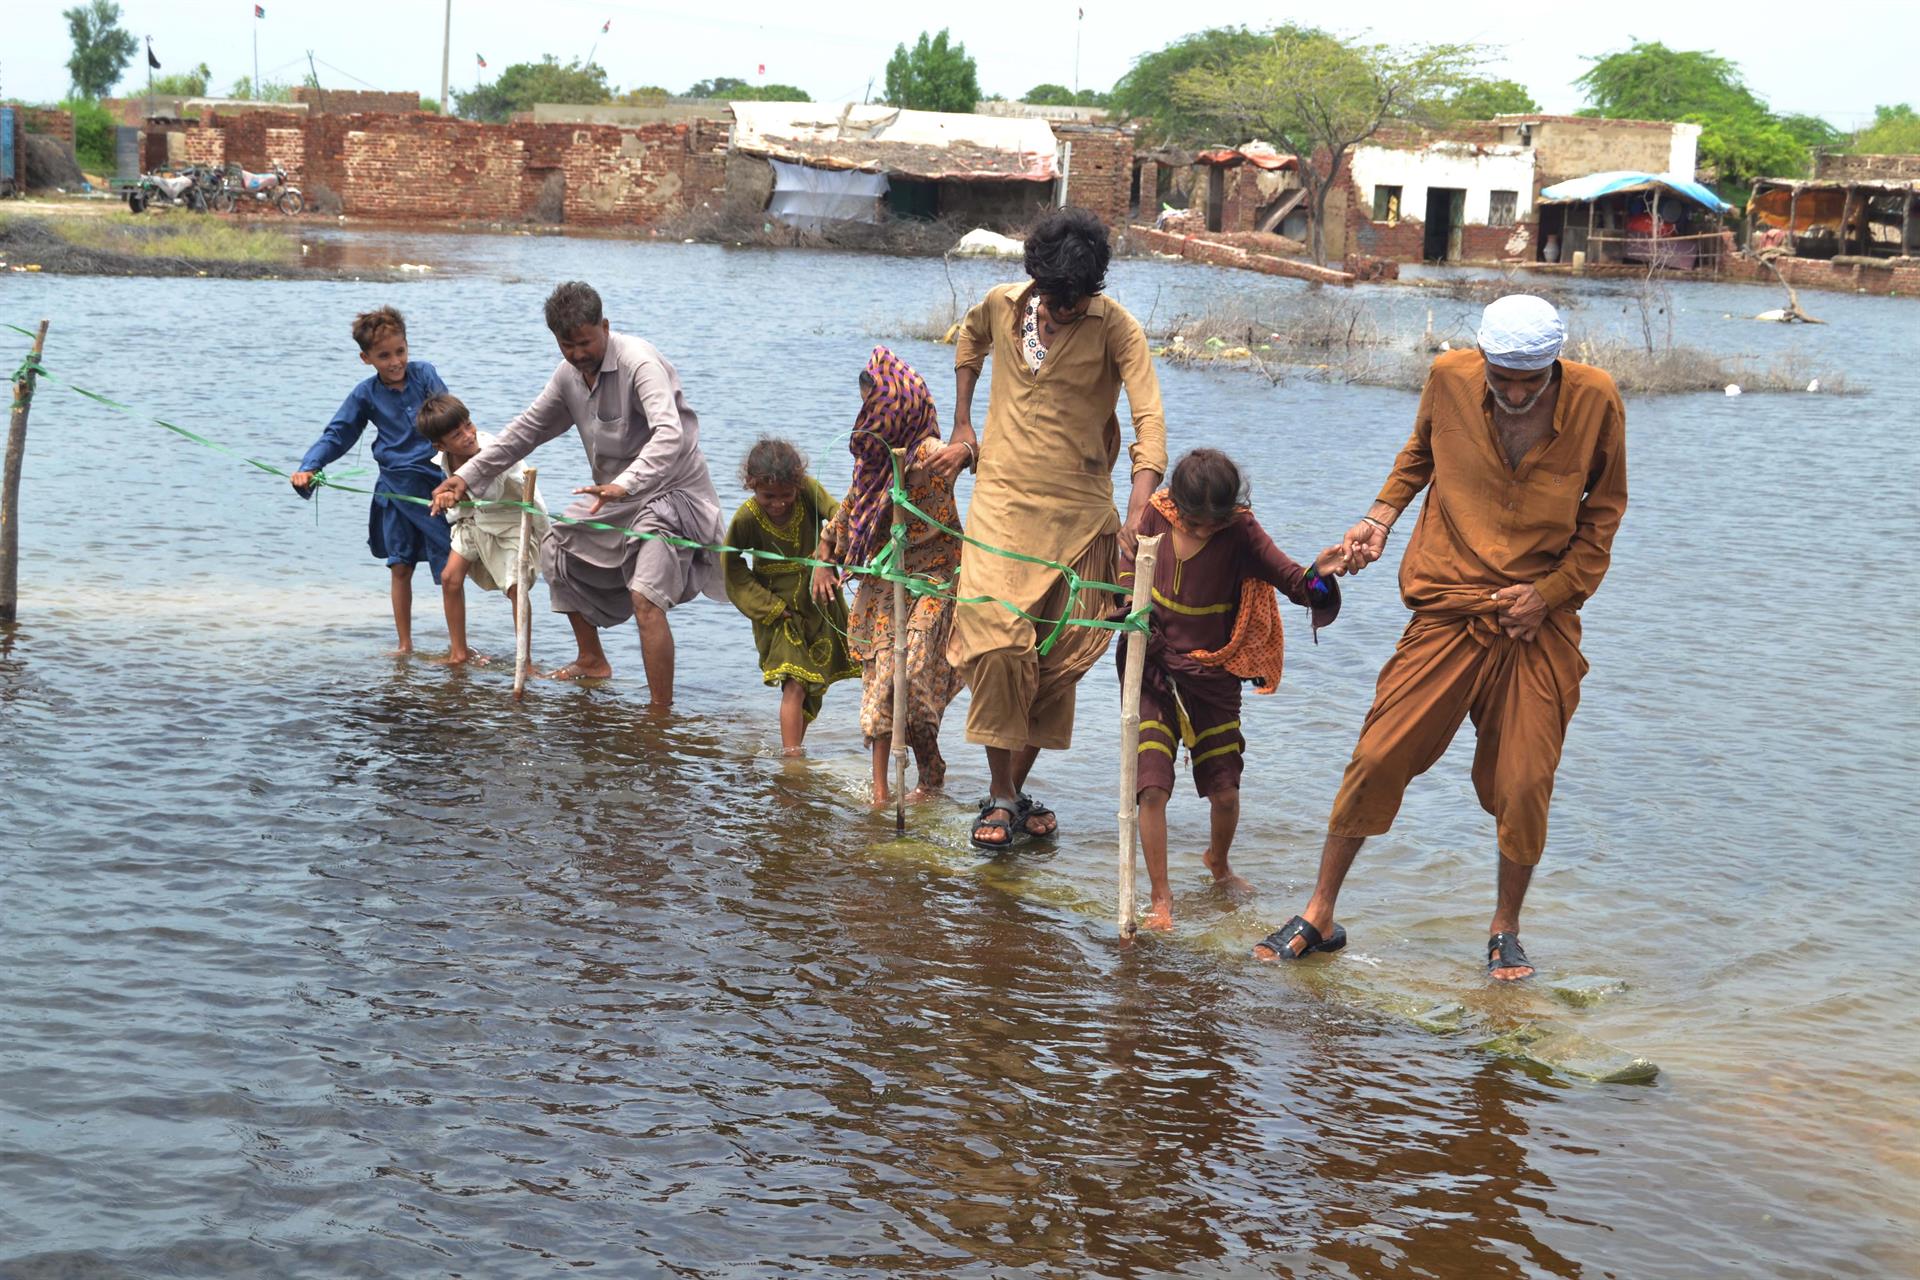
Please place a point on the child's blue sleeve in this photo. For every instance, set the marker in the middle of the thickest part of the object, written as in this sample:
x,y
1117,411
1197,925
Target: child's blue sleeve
x,y
430,376
341,434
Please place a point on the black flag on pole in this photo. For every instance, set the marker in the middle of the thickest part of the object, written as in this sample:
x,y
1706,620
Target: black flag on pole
x,y
151,60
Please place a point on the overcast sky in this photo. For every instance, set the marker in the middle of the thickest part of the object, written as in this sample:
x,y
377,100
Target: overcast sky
x,y
1836,63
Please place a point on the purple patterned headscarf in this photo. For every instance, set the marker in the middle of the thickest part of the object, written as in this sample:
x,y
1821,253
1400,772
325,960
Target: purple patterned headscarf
x,y
899,414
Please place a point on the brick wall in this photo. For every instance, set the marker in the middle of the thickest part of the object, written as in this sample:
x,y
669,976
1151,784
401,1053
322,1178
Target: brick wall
x,y
1895,276
421,166
1867,168
1101,177
1216,254
196,145
52,123
350,102
250,138
640,177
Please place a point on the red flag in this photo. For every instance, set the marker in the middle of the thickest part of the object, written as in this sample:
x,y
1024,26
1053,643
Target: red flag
x,y
258,12
477,58
763,68
606,26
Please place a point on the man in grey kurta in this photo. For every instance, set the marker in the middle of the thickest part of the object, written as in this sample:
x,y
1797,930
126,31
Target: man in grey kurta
x,y
643,445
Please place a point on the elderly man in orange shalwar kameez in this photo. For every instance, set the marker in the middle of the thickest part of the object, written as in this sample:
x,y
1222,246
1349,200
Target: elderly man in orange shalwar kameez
x,y
1524,459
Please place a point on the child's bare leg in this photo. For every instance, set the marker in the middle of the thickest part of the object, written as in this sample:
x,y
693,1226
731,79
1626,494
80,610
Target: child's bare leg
x,y
1225,821
591,664
453,598
1153,845
925,741
793,717
882,771
400,591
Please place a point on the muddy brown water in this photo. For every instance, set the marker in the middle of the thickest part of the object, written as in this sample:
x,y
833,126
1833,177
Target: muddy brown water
x,y
322,964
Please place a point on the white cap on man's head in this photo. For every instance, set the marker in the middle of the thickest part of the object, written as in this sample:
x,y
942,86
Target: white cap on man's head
x,y
1521,331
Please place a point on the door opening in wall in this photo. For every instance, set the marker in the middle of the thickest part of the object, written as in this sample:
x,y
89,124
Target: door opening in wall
x,y
1216,194
1446,207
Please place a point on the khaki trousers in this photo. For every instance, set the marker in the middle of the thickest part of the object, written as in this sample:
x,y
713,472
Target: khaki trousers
x,y
1023,698
1520,694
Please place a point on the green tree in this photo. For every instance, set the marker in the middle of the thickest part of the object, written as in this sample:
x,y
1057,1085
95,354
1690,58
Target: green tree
x,y
525,83
1740,138
1480,99
718,87
266,91
93,135
430,105
1652,82
184,84
1812,132
1317,97
101,50
1146,92
932,76
736,90
1058,95
1895,131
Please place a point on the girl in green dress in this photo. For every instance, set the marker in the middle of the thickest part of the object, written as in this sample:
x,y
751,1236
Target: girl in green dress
x,y
802,641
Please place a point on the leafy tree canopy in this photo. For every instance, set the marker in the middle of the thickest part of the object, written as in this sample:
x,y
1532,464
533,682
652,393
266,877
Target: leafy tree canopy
x,y
93,135
1317,96
1895,131
521,85
1146,92
184,84
265,91
733,89
101,50
934,75
1480,99
1058,95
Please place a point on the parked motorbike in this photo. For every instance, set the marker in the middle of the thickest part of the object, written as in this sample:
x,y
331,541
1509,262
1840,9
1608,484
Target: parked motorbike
x,y
269,188
172,189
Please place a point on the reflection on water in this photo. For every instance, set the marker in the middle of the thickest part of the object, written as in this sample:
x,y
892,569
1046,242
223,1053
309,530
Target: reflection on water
x,y
323,964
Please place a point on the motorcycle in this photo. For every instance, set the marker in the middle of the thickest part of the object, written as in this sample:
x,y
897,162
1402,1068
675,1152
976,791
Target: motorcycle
x,y
172,189
270,188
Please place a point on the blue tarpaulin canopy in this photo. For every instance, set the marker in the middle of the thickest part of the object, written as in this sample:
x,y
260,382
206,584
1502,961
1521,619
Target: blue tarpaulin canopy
x,y
1617,181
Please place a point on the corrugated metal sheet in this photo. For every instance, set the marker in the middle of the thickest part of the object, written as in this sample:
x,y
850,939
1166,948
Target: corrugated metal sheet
x,y
1616,181
892,140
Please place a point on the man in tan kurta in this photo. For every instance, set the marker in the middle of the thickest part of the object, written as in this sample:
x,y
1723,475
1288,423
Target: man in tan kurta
x,y
1523,457
1061,355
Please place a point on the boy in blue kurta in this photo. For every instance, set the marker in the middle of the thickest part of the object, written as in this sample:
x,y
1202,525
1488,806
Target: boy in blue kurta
x,y
401,533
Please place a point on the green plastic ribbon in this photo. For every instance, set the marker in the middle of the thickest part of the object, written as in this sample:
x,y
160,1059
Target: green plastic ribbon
x,y
885,567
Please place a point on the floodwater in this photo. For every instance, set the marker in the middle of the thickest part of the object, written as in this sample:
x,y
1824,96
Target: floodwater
x,y
320,963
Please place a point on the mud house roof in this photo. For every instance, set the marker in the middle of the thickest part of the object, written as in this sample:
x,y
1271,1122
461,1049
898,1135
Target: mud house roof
x,y
1622,181
1258,154
910,144
1602,122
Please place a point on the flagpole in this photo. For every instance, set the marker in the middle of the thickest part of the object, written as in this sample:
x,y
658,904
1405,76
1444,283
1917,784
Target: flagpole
x,y
446,55
256,53
1078,23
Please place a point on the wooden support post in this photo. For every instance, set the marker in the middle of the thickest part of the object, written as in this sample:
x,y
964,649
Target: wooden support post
x,y
1144,557
10,484
899,535
523,604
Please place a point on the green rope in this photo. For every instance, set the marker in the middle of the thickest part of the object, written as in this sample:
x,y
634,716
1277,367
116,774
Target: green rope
x,y
882,567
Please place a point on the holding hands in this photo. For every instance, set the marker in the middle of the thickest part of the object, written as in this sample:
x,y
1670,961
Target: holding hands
x,y
448,493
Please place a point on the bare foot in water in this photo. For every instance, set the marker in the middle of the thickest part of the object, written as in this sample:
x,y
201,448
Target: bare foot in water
x,y
1236,888
581,669
1159,917
464,657
404,651
793,753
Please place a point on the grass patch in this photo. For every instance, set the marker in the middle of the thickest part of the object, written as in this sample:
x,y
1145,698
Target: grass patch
x,y
189,238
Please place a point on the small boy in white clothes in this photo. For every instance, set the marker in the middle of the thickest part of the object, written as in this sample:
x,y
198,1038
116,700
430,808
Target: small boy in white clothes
x,y
486,539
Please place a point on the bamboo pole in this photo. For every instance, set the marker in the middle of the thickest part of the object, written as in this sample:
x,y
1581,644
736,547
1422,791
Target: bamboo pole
x,y
523,605
10,484
899,535
1144,557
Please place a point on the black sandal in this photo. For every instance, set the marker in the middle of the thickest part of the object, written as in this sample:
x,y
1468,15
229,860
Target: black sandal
x,y
1003,825
1503,952
1029,809
1280,941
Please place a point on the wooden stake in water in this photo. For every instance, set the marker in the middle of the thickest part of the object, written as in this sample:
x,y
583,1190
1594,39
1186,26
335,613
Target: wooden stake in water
x,y
10,483
1145,554
899,650
523,605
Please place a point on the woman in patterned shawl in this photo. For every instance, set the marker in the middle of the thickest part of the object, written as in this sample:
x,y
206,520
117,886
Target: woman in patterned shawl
x,y
897,412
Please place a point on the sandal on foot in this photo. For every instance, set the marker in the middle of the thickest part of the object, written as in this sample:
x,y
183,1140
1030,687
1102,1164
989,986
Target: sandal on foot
x,y
1280,941
1029,810
1002,825
1503,952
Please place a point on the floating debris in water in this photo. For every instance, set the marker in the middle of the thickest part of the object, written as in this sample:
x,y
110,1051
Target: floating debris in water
x,y
1733,388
